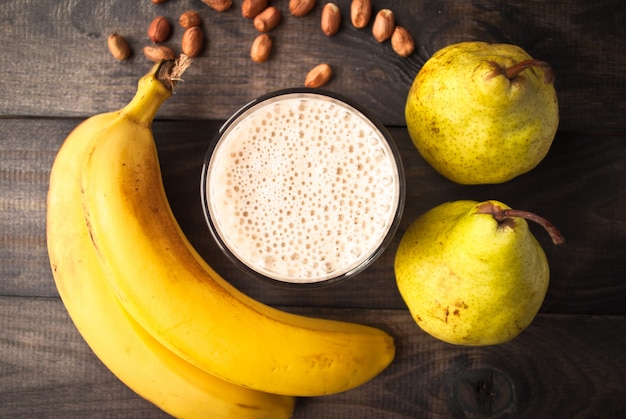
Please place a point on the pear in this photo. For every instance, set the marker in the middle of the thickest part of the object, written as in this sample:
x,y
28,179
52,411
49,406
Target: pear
x,y
472,273
482,113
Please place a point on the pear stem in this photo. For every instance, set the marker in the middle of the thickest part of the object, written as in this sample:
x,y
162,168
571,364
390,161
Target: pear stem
x,y
501,215
516,69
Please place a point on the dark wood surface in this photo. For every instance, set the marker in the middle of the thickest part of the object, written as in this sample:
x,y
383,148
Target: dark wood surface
x,y
571,362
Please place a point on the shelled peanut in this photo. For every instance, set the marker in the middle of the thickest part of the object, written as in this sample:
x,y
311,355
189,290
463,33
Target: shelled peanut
x,y
261,48
268,19
218,5
360,13
301,8
331,19
318,76
158,53
118,46
251,8
192,41
402,42
384,24
159,29
265,18
189,19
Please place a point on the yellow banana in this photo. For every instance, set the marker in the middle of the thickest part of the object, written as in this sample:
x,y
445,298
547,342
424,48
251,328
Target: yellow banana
x,y
134,356
181,301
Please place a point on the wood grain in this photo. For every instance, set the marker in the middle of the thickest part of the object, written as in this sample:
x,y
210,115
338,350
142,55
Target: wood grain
x,y
571,361
48,371
581,187
64,44
578,166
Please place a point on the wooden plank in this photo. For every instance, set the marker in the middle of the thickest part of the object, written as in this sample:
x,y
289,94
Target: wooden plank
x,y
581,187
571,362
63,43
47,370
27,149
584,279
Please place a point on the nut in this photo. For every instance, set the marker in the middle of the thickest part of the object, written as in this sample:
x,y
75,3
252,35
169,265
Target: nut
x,y
360,12
158,53
251,8
318,76
118,46
189,19
331,19
402,42
218,5
159,29
191,43
261,48
301,7
384,24
267,19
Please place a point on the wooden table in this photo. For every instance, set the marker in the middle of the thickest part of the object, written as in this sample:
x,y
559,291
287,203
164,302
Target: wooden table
x,y
571,362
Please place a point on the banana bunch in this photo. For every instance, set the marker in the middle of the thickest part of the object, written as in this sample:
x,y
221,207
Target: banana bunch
x,y
155,313
128,350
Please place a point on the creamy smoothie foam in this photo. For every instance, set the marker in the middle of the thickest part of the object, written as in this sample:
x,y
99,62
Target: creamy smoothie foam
x,y
303,188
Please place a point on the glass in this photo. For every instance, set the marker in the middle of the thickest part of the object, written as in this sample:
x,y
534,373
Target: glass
x,y
302,187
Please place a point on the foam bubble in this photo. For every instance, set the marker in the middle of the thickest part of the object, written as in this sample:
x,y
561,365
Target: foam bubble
x,y
302,189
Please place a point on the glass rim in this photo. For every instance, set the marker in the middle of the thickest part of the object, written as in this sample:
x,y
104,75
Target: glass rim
x,y
313,92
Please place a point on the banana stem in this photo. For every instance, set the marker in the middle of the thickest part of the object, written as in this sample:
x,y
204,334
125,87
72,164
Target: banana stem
x,y
154,89
170,72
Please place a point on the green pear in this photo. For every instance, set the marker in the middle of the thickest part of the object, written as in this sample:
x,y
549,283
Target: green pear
x,y
472,273
482,113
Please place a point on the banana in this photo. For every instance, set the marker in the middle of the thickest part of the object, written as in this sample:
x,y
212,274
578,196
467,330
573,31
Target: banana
x,y
182,302
133,355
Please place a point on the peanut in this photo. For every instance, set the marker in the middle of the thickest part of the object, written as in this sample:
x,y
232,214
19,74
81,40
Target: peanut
x,y
384,24
331,19
300,8
159,29
402,42
191,43
251,8
158,53
261,48
318,76
218,5
360,12
267,19
189,19
118,46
